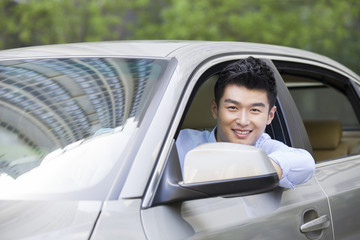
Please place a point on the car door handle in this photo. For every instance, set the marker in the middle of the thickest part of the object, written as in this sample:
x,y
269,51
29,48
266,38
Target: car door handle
x,y
316,224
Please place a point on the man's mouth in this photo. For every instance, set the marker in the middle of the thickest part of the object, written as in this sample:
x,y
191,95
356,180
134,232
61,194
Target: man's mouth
x,y
242,132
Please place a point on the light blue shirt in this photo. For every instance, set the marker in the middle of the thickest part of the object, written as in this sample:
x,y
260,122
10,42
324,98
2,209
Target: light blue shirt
x,y
297,165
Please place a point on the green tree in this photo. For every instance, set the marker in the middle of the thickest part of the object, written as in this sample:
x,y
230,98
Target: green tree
x,y
39,22
8,28
329,27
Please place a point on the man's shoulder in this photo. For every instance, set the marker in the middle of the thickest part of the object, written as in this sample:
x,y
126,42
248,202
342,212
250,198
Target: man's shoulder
x,y
189,139
193,134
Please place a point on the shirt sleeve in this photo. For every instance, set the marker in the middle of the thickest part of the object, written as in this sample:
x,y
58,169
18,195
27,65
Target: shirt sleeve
x,y
298,166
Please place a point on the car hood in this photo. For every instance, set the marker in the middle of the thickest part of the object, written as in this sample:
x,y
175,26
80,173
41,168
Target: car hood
x,y
48,219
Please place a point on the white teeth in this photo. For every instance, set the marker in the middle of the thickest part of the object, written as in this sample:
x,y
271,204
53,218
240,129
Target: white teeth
x,y
242,132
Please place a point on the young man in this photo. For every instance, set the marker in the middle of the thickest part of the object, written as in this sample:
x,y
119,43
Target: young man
x,y
244,104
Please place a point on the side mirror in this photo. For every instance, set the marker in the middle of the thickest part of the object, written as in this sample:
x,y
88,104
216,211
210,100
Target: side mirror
x,y
222,161
215,169
228,168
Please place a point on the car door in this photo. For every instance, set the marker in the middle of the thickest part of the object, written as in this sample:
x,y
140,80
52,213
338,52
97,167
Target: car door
x,y
299,213
334,96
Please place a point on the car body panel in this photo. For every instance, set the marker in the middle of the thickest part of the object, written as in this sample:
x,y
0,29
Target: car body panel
x,y
119,219
123,48
340,181
48,219
251,217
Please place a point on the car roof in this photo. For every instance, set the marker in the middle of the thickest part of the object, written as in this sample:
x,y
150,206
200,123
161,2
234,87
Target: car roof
x,y
110,48
182,50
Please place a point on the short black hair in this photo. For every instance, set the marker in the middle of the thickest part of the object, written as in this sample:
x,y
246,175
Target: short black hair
x,y
252,73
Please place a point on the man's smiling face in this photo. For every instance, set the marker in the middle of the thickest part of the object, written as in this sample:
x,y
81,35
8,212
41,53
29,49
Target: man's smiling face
x,y
242,114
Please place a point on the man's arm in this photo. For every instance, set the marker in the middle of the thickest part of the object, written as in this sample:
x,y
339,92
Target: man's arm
x,y
297,166
277,168
293,165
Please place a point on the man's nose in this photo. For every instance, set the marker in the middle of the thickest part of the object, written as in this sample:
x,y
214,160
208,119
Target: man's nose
x,y
242,118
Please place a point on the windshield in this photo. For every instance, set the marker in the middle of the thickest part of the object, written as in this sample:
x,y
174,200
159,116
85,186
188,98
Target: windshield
x,y
49,106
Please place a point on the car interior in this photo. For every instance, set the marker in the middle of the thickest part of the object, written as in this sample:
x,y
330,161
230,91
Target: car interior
x,y
326,138
329,117
199,114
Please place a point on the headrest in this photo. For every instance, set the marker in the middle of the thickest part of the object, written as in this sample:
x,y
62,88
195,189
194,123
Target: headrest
x,y
324,134
199,115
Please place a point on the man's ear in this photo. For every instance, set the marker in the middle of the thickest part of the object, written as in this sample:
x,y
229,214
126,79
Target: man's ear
x,y
214,109
271,115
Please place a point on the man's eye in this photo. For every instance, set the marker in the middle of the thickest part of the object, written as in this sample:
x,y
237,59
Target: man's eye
x,y
232,107
255,110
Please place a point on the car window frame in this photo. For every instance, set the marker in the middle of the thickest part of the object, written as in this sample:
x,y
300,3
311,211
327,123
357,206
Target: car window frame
x,y
291,124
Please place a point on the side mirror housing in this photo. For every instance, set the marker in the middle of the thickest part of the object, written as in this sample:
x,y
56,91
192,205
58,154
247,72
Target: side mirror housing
x,y
223,161
227,169
215,169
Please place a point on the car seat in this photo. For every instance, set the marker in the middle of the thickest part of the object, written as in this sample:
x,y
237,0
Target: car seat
x,y
326,139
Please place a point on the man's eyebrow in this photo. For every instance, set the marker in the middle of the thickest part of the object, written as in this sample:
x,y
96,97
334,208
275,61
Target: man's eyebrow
x,y
259,104
231,101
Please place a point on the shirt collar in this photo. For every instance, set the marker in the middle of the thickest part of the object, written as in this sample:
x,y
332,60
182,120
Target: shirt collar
x,y
211,137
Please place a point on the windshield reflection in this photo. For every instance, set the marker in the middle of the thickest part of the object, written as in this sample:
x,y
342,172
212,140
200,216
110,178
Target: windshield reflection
x,y
78,166
48,104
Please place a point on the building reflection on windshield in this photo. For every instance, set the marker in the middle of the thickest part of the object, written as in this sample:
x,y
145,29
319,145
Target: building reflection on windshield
x,y
47,104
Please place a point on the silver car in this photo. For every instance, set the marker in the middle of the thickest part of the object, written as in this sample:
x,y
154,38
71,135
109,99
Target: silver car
x,y
87,151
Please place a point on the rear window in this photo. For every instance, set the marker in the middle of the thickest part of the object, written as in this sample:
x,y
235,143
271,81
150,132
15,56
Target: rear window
x,y
317,101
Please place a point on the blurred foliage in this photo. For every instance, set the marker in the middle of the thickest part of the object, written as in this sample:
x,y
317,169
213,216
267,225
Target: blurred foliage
x,y
328,27
37,22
